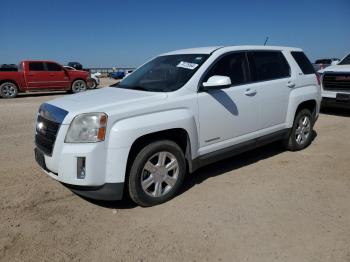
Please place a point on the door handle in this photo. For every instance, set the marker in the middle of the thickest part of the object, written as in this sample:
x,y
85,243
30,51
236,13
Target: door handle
x,y
250,92
291,84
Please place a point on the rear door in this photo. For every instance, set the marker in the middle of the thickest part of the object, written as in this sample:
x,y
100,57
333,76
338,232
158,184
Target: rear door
x,y
36,75
58,78
272,76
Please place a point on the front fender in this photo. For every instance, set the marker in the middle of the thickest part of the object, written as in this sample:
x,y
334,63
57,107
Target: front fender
x,y
125,131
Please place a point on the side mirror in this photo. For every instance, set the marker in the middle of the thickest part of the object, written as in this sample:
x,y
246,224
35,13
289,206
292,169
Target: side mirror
x,y
217,82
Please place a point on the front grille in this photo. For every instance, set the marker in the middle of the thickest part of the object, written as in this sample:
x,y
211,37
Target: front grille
x,y
45,135
334,82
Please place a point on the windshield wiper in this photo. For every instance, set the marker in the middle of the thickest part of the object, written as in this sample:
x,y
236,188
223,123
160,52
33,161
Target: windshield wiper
x,y
139,88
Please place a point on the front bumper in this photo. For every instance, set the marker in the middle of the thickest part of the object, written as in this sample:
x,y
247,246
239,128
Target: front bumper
x,y
332,102
329,99
109,191
106,191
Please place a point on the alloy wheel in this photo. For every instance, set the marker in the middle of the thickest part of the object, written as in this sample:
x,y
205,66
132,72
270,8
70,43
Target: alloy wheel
x,y
160,174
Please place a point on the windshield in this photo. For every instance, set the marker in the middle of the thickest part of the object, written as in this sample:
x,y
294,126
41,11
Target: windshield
x,y
345,61
164,73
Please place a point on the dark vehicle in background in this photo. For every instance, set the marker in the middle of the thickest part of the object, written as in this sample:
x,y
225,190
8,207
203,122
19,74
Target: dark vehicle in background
x,y
75,65
8,68
41,76
323,63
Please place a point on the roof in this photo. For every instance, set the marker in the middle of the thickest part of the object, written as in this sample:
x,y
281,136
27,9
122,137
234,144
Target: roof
x,y
211,49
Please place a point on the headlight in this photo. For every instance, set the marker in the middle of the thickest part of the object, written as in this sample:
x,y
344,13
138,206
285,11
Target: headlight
x,y
87,128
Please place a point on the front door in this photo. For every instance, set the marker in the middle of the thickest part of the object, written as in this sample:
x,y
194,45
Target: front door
x,y
58,78
36,76
232,112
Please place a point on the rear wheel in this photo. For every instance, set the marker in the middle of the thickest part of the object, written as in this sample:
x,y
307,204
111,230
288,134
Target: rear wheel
x,y
78,86
157,173
8,90
301,133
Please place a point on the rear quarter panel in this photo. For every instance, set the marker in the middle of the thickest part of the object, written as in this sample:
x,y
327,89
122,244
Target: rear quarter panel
x,y
300,95
14,77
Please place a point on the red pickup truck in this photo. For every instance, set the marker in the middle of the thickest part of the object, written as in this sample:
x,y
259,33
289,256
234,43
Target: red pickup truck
x,y
41,76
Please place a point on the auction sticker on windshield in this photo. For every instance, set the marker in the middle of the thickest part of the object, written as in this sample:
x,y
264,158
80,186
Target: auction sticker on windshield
x,y
187,65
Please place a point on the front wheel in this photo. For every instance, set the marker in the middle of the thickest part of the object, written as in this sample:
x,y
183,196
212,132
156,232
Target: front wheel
x,y
157,173
93,84
301,133
8,90
78,86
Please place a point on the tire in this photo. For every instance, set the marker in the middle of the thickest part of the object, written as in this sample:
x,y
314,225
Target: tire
x,y
8,90
93,84
160,183
301,134
78,86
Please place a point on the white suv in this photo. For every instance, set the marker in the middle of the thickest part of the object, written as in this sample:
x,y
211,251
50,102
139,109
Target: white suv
x,y
178,112
336,84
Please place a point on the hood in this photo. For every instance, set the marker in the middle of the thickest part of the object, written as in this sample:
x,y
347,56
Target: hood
x,y
335,68
104,100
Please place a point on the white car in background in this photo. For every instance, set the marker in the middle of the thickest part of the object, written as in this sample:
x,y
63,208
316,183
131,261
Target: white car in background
x,y
95,78
335,84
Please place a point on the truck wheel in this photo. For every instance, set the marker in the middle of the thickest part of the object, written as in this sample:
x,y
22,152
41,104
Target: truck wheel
x,y
8,90
93,84
78,86
156,173
301,133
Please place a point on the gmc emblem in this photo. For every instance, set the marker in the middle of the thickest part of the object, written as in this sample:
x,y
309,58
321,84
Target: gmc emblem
x,y
342,78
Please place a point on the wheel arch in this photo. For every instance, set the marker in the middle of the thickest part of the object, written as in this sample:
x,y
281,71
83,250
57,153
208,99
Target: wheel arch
x,y
10,81
308,104
306,97
177,135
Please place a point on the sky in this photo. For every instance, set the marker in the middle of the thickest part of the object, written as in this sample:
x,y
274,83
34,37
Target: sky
x,y
127,33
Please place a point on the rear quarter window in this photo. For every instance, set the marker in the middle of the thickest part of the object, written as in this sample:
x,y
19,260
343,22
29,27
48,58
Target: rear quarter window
x,y
268,65
303,62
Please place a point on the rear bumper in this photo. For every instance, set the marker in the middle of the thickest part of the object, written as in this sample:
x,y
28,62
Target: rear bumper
x,y
109,191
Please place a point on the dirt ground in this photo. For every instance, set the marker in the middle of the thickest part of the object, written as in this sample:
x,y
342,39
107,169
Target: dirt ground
x,y
265,205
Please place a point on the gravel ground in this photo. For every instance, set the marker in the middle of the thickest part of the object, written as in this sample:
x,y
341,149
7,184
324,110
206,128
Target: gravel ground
x,y
264,205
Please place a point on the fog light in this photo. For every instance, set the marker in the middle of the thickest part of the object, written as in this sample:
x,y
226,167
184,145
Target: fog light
x,y
81,170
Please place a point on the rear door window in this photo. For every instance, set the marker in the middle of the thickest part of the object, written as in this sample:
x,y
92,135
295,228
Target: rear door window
x,y
53,67
36,66
303,62
268,65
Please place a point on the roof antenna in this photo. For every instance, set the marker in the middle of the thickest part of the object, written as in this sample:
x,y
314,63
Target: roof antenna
x,y
267,39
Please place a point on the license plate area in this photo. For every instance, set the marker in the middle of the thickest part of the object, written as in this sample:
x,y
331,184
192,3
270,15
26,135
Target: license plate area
x,y
344,98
